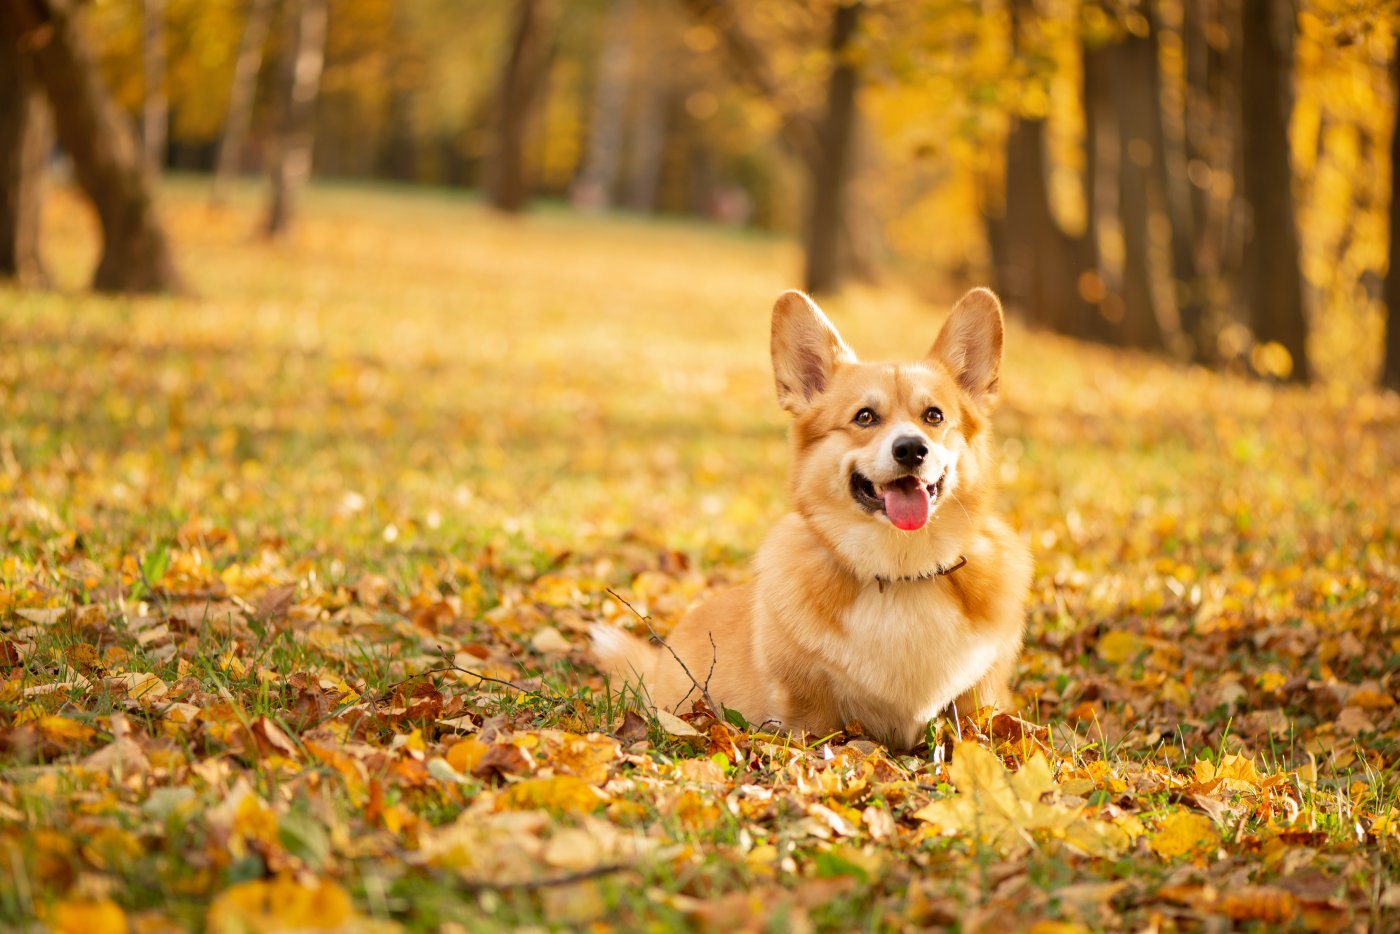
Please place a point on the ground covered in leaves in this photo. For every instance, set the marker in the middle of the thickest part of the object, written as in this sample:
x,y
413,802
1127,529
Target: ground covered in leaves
x,y
296,574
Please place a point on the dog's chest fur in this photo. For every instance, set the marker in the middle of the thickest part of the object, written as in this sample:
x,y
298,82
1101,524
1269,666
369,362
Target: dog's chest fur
x,y
915,652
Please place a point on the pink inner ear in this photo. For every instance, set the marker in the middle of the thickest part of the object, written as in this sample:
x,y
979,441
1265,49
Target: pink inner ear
x,y
811,369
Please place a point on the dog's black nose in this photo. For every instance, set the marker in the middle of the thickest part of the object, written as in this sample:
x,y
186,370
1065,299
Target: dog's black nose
x,y
909,451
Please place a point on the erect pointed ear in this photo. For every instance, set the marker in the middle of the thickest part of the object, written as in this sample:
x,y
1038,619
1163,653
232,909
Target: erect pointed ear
x,y
970,344
806,350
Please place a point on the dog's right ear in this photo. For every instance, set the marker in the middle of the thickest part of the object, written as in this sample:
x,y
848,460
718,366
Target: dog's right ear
x,y
806,350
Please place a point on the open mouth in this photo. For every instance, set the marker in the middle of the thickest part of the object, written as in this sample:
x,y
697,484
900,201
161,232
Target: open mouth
x,y
905,501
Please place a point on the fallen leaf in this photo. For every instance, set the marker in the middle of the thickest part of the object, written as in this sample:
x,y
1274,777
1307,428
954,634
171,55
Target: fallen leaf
x,y
562,794
1184,833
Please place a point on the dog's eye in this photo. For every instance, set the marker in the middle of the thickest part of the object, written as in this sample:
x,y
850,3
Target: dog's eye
x,y
866,417
933,415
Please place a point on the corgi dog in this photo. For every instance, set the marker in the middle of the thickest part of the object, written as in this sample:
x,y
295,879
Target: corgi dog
x,y
891,590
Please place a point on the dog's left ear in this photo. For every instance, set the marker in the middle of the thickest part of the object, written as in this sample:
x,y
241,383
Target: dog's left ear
x,y
970,344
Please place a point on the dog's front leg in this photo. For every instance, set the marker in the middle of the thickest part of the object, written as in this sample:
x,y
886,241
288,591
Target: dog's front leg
x,y
993,689
804,707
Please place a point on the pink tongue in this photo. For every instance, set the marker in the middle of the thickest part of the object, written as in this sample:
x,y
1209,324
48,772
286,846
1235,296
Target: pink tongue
x,y
906,503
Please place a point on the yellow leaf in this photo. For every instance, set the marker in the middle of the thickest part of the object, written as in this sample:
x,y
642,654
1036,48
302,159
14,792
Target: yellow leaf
x,y
1002,809
62,730
87,917
1057,927
1119,646
141,685
564,794
1184,833
586,757
465,755
280,904
1237,773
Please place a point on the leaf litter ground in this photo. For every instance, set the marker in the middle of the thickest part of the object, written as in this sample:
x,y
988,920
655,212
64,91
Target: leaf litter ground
x,y
297,573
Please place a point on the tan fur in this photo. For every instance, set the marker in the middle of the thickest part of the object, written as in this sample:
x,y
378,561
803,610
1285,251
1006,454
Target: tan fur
x,y
817,640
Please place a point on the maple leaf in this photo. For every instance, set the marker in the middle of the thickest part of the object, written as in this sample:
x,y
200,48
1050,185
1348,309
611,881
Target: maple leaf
x,y
1005,810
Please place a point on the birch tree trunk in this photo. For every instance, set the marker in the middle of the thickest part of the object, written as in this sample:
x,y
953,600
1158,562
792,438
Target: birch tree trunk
x,y
155,109
240,97
648,140
301,83
594,187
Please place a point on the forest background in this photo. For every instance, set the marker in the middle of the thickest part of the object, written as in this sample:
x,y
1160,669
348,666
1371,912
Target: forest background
x,y
356,356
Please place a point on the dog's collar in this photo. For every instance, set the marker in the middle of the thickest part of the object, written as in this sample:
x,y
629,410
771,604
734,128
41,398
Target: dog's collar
x,y
939,571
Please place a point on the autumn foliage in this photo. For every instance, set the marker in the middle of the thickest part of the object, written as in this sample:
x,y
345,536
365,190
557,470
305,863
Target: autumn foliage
x,y
296,579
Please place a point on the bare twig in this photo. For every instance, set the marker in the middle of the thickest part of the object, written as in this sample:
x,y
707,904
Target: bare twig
x,y
453,666
704,689
714,657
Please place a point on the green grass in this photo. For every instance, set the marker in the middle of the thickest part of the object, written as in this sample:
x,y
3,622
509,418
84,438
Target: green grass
x,y
451,432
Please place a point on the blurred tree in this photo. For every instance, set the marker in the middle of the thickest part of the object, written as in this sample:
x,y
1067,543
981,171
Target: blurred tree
x,y
155,108
304,58
244,84
1184,296
1136,108
1037,265
522,84
398,153
1209,141
99,138
1390,369
25,138
828,222
823,144
648,135
594,186
1273,293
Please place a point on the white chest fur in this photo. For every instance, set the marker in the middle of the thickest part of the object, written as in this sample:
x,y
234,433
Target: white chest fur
x,y
914,653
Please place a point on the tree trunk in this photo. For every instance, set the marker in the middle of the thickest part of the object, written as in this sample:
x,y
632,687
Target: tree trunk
x,y
1273,280
1390,370
1134,86
99,138
1100,182
155,109
1210,151
301,77
522,80
25,136
240,96
399,151
827,268
648,141
594,187
1038,264
1170,169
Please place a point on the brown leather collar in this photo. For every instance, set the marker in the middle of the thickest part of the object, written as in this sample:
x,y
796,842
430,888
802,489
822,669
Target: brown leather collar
x,y
939,571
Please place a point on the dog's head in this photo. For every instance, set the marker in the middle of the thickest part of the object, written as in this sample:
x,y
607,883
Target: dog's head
x,y
881,448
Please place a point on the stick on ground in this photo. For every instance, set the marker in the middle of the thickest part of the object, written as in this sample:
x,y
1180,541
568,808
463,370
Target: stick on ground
x,y
704,689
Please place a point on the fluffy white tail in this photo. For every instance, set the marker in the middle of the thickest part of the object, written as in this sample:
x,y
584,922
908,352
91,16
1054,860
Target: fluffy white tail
x,y
619,653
